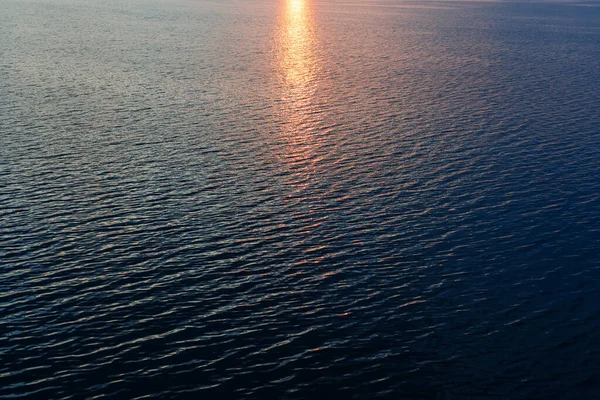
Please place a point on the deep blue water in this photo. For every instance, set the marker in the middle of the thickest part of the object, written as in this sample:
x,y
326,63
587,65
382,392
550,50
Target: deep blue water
x,y
299,198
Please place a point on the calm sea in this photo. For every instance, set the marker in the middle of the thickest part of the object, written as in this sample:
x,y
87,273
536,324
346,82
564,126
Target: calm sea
x,y
256,199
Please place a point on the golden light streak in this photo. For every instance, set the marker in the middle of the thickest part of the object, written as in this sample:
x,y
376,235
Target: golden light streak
x,y
297,44
298,68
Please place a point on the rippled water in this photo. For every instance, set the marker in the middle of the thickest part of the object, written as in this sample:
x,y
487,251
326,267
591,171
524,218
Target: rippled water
x,y
294,198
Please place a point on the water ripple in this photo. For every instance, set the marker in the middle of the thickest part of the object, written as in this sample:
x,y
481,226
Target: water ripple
x,y
294,199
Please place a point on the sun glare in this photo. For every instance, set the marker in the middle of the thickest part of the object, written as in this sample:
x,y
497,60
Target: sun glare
x,y
298,69
296,6
297,44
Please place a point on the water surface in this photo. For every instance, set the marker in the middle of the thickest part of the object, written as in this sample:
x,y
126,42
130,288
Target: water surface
x,y
294,198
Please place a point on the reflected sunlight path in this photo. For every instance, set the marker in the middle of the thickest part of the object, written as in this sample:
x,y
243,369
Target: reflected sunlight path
x,y
298,66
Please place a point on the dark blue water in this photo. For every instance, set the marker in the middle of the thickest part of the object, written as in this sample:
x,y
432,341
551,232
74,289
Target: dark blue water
x,y
299,198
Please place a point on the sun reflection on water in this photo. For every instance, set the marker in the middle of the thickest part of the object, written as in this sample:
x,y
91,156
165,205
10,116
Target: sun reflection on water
x,y
298,68
297,44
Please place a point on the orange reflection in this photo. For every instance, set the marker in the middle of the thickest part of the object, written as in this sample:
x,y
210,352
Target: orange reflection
x,y
296,49
297,45
298,66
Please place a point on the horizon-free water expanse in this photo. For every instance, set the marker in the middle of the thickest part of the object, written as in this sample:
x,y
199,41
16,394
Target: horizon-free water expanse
x,y
294,198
